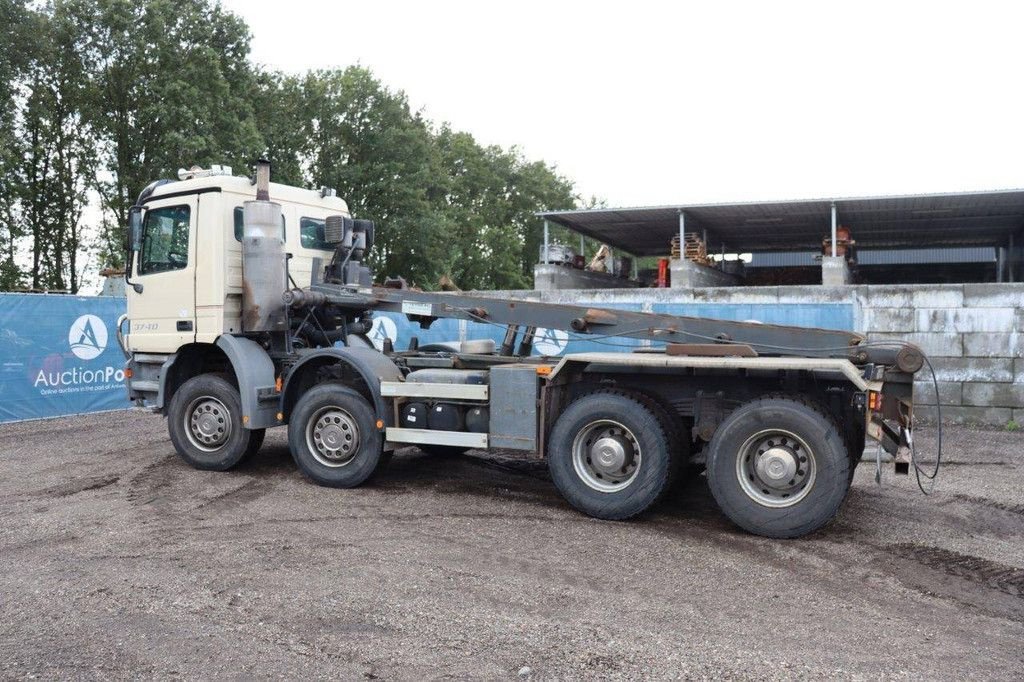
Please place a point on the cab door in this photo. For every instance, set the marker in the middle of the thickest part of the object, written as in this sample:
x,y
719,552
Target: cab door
x,y
163,316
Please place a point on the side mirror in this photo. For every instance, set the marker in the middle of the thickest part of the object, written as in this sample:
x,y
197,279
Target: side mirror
x,y
135,228
134,245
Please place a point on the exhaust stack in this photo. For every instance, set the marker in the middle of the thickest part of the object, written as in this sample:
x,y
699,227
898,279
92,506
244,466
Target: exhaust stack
x,y
264,266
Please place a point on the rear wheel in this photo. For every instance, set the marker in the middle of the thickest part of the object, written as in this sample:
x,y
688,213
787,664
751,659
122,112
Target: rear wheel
x,y
333,436
609,455
778,467
204,420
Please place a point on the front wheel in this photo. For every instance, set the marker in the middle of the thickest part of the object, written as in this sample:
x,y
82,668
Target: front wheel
x,y
333,436
778,467
204,419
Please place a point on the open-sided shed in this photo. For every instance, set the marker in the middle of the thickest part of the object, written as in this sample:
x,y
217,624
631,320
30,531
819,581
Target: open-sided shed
x,y
912,229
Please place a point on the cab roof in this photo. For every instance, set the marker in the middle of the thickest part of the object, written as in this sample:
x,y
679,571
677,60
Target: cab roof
x,y
241,185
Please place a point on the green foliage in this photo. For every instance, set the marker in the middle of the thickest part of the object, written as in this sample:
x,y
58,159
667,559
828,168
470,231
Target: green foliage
x,y
444,204
1012,426
171,86
279,100
364,141
491,198
105,96
16,29
58,155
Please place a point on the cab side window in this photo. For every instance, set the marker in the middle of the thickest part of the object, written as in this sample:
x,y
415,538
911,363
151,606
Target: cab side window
x,y
240,225
311,234
165,240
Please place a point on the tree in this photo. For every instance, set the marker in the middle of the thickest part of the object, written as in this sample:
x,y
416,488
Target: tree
x,y
16,27
105,96
538,187
278,100
58,157
364,141
492,198
172,87
444,204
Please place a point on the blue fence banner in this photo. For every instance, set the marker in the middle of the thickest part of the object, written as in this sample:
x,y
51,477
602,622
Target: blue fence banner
x,y
59,356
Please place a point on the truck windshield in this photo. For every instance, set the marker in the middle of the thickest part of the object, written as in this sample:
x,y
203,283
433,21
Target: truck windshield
x,y
165,240
311,234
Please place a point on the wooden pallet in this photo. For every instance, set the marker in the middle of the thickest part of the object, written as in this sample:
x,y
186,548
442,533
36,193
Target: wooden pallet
x,y
693,250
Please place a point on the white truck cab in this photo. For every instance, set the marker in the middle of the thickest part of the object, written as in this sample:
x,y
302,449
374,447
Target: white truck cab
x,y
190,262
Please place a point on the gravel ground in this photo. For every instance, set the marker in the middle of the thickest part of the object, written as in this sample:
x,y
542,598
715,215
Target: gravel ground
x,y
117,560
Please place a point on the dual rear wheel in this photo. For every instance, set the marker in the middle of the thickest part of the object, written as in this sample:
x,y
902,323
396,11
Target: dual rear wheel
x,y
777,466
610,455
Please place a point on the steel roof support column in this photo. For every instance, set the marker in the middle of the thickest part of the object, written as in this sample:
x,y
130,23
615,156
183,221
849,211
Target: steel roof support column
x,y
547,259
682,233
834,226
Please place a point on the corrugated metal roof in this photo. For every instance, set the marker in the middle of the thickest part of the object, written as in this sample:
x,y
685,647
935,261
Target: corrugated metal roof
x,y
909,221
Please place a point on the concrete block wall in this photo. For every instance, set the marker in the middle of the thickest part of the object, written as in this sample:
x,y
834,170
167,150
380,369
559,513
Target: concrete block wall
x,y
973,333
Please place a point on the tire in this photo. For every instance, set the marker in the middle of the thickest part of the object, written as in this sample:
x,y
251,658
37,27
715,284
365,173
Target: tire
x,y
442,450
256,437
778,467
204,420
332,414
628,426
678,441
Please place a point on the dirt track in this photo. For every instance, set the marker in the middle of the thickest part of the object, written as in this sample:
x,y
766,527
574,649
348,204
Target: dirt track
x,y
117,560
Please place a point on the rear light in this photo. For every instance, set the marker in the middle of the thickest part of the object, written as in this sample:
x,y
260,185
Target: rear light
x,y
128,373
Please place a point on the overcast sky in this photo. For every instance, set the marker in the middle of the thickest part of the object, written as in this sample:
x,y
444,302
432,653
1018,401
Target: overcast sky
x,y
661,103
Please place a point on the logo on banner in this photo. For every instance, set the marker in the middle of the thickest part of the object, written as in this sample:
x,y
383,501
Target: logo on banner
x,y
87,337
550,341
383,328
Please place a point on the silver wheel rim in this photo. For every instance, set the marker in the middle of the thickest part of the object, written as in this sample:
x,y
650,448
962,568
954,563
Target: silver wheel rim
x,y
332,436
606,456
776,468
208,423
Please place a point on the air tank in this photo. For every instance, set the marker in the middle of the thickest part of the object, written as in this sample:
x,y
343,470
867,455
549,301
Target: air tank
x,y
264,268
